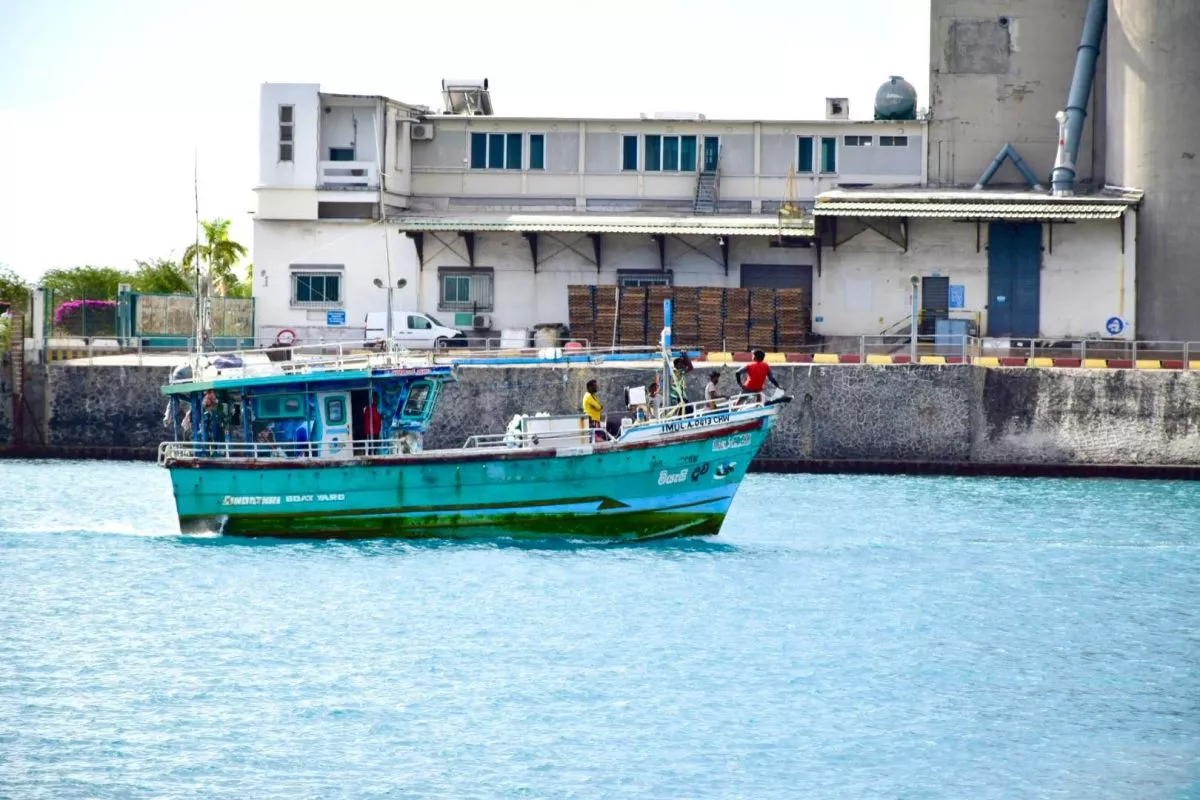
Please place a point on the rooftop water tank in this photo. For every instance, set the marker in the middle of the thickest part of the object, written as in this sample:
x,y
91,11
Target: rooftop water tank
x,y
896,99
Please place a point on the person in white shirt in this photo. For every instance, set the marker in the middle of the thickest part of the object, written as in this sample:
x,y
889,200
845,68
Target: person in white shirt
x,y
711,392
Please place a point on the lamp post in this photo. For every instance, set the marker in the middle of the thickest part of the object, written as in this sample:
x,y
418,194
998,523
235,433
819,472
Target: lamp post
x,y
400,284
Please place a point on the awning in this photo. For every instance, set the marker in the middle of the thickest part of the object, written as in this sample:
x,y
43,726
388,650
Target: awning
x,y
975,205
762,225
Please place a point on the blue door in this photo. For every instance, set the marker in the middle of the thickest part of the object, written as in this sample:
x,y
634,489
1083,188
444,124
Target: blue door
x,y
712,152
1014,278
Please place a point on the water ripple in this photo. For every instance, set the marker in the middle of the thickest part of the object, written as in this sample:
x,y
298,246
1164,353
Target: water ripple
x,y
847,637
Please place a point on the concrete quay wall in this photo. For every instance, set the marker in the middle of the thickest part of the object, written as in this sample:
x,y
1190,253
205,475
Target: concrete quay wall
x,y
916,415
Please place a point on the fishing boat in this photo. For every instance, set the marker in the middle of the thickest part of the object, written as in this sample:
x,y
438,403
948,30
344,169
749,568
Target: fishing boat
x,y
265,444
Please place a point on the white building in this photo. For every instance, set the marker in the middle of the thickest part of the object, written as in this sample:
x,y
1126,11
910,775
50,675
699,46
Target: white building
x,y
485,220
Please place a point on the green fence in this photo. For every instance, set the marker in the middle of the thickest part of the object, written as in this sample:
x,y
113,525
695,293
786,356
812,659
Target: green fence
x,y
168,320
142,320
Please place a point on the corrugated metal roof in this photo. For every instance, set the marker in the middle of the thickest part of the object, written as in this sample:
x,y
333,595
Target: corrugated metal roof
x,y
976,210
764,225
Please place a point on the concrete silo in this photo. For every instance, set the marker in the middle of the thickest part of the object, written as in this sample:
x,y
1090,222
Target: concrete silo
x,y
1153,143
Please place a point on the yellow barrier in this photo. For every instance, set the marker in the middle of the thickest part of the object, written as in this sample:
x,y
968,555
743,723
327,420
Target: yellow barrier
x,y
825,358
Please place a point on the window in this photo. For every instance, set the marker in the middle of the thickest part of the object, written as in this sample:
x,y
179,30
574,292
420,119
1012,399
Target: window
x,y
629,153
418,399
316,289
287,132
285,406
893,141
341,154
537,151
859,141
632,278
335,410
828,154
670,153
418,323
496,150
804,159
465,289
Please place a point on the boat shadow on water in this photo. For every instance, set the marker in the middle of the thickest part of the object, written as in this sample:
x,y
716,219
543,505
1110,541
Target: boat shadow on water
x,y
387,547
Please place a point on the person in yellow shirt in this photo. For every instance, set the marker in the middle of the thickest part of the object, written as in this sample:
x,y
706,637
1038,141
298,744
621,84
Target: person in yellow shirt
x,y
592,406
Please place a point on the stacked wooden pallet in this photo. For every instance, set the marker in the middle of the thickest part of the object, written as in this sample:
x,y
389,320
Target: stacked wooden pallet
x,y
761,330
632,313
791,319
685,317
606,315
711,321
581,312
737,318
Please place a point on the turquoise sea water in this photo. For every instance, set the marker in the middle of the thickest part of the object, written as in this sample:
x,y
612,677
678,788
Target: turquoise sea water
x,y
846,637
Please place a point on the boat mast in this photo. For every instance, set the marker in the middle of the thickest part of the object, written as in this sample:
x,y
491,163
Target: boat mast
x,y
665,386
200,297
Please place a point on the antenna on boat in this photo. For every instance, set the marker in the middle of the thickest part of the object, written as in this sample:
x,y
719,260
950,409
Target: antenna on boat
x,y
381,109
199,305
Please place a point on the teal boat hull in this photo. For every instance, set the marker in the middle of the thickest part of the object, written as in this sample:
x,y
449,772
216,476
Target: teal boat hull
x,y
678,486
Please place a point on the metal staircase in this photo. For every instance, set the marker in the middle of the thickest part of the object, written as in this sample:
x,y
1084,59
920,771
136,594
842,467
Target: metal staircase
x,y
708,185
705,201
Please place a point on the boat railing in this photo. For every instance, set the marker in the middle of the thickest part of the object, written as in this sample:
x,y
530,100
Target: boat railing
x,y
682,411
509,439
323,451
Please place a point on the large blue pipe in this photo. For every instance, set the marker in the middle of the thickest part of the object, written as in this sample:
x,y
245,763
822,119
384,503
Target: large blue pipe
x,y
1063,178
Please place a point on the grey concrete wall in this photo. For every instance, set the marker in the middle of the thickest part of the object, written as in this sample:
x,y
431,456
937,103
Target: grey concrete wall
x,y
114,407
961,415
447,149
6,401
877,160
562,152
603,152
737,153
999,70
1154,144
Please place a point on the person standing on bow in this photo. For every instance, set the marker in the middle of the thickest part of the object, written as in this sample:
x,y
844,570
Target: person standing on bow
x,y
754,376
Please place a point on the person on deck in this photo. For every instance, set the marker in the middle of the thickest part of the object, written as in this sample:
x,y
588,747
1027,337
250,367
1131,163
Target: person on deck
x,y
593,408
680,367
372,424
711,392
754,376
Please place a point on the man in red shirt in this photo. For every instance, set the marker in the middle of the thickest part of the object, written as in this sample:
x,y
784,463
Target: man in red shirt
x,y
372,423
754,376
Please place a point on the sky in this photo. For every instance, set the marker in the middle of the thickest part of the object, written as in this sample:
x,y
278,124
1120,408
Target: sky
x,y
105,108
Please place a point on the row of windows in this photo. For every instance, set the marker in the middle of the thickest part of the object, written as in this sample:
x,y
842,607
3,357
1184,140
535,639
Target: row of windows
x,y
506,151
867,141
458,290
657,152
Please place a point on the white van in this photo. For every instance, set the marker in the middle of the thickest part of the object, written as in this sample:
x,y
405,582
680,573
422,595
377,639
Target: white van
x,y
415,330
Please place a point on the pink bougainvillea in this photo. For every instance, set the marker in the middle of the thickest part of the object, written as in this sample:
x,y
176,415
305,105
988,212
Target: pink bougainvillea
x,y
87,317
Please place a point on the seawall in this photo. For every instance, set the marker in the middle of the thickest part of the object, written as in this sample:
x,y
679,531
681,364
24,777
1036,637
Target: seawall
x,y
898,418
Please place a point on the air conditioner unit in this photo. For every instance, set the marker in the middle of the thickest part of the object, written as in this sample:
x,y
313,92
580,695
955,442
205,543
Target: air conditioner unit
x,y
422,131
481,322
837,108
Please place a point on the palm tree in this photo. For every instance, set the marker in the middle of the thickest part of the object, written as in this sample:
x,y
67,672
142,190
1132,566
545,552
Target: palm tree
x,y
218,252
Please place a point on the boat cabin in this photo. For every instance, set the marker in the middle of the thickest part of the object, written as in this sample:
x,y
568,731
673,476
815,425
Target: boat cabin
x,y
327,414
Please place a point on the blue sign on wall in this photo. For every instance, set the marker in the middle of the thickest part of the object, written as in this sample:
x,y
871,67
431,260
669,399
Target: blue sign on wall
x,y
958,295
335,317
1114,326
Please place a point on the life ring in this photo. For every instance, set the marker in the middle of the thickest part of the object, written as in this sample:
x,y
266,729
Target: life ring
x,y
285,337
